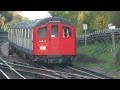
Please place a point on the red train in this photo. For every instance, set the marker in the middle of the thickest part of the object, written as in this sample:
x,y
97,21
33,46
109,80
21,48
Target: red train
x,y
51,40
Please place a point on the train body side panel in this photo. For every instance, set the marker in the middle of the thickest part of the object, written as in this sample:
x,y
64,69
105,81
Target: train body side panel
x,y
21,39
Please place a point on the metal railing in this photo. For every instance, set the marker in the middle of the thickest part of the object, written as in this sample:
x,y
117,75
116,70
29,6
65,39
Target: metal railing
x,y
100,36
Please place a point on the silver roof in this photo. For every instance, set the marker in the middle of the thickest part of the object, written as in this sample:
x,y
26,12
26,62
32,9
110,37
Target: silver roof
x,y
32,23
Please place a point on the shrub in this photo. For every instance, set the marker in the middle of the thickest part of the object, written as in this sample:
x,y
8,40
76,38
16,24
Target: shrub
x,y
118,57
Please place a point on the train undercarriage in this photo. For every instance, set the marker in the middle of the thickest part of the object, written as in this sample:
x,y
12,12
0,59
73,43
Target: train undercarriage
x,y
48,59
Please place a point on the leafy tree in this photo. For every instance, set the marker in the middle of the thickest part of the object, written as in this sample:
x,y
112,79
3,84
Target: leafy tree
x,y
8,18
7,15
96,20
116,18
101,20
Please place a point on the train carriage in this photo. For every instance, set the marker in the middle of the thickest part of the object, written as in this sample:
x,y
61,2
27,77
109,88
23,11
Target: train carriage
x,y
52,40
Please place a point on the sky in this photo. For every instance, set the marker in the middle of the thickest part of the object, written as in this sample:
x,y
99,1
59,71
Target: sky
x,y
35,14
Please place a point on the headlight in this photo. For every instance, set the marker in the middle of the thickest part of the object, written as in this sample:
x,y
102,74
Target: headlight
x,y
42,47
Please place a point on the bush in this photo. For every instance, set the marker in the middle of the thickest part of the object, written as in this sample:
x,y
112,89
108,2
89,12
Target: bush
x,y
85,58
118,57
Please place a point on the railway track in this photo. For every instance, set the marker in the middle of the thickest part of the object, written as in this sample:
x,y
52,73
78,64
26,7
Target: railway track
x,y
15,74
27,70
82,71
47,73
89,72
67,72
3,75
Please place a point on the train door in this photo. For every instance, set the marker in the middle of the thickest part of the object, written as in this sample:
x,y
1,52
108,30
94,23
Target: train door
x,y
40,40
54,48
68,40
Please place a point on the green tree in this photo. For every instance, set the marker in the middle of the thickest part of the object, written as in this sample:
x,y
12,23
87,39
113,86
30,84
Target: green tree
x,y
96,20
116,18
8,18
7,15
101,20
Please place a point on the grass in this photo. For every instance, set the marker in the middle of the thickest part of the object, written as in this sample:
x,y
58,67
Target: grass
x,y
98,55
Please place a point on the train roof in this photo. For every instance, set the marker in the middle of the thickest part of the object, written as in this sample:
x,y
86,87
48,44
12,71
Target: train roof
x,y
33,23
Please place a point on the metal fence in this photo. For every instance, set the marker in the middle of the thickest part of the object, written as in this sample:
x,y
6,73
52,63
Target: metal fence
x,y
99,36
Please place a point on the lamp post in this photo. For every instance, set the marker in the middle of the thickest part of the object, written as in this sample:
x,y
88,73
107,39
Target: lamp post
x,y
111,27
85,28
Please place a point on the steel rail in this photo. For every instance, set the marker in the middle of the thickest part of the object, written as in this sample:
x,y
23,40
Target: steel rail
x,y
12,68
75,74
81,71
31,72
21,67
4,74
58,73
92,72
45,70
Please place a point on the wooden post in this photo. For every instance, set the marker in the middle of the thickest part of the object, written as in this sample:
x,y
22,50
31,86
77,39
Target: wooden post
x,y
113,43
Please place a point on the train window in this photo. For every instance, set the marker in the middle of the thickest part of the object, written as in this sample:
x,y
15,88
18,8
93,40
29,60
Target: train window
x,y
42,32
66,32
54,31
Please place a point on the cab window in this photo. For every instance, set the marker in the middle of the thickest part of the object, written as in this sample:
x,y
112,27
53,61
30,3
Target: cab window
x,y
67,32
54,32
42,32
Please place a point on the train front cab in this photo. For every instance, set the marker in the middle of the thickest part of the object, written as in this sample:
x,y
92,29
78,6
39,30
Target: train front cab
x,y
54,40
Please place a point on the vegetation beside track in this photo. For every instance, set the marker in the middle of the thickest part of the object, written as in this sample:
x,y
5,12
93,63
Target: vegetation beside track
x,y
99,56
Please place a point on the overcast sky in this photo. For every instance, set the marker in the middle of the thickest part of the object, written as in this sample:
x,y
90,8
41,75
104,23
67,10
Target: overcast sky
x,y
35,14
